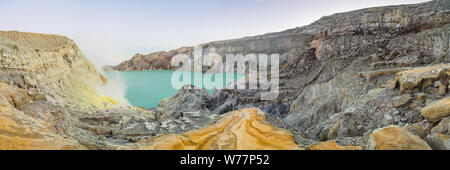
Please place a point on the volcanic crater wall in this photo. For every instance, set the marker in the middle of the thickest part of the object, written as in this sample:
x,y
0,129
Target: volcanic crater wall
x,y
52,65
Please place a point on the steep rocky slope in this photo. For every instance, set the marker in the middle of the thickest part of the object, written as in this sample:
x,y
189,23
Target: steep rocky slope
x,y
46,85
22,131
345,76
52,65
154,61
48,93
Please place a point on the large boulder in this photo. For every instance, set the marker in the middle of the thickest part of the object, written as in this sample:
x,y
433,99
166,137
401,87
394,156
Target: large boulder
x,y
395,138
422,76
437,110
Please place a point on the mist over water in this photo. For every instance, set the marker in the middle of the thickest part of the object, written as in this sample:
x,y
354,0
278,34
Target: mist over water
x,y
147,88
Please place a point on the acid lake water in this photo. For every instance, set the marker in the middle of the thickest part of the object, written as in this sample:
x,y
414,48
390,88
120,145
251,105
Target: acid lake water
x,y
147,88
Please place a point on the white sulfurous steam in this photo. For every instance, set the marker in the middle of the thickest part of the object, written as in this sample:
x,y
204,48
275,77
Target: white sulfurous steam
x,y
115,88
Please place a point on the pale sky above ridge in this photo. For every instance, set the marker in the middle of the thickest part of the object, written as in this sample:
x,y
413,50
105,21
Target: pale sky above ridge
x,y
111,31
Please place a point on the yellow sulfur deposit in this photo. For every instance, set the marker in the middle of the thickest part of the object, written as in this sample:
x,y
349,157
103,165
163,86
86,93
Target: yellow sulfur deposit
x,y
22,132
112,101
244,129
331,145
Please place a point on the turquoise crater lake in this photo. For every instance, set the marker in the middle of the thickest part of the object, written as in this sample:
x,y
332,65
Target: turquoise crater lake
x,y
147,88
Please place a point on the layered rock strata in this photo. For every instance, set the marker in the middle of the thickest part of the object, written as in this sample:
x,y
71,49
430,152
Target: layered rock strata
x,y
52,65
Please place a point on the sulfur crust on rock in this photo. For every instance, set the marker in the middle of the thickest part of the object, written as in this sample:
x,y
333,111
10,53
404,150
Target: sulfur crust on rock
x,y
54,65
437,110
22,132
331,145
396,138
244,129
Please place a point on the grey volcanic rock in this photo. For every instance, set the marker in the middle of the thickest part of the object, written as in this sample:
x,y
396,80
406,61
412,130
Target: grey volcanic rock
x,y
186,110
51,64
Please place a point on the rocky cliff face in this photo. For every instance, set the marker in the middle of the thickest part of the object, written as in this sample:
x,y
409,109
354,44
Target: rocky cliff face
x,y
154,61
348,74
367,39
52,65
244,129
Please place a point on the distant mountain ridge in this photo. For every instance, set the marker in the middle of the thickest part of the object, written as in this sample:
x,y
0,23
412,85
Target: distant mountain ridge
x,y
392,19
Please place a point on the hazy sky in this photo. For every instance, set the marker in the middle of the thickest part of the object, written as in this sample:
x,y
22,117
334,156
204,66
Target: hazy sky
x,y
110,31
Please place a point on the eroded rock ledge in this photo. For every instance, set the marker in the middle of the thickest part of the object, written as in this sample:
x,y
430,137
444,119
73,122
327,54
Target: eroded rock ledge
x,y
244,129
